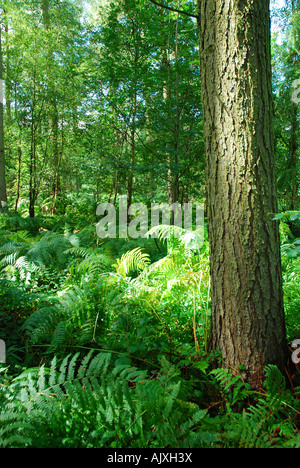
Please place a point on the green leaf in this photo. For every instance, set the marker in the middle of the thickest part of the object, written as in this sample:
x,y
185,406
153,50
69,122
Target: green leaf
x,y
202,365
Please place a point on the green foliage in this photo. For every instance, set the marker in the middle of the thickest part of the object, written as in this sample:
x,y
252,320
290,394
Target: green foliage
x,y
134,260
108,340
123,346
289,223
268,422
289,231
96,403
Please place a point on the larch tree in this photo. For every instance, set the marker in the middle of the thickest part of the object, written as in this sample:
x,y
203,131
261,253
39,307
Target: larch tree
x,y
247,324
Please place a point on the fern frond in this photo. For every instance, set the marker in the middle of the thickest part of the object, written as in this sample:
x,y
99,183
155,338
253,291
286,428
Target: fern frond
x,y
274,381
40,325
119,405
134,260
233,386
13,428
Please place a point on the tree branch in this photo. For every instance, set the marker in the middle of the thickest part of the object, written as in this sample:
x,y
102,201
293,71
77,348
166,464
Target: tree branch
x,y
161,5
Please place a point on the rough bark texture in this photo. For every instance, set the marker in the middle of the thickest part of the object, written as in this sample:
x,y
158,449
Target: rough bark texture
x,y
247,306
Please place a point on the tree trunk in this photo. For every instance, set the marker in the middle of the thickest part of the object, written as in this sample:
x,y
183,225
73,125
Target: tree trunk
x,y
247,323
132,156
19,177
7,74
54,115
46,14
172,158
55,150
133,118
32,162
293,162
3,194
176,131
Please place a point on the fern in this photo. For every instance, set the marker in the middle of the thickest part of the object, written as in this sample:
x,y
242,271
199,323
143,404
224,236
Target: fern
x,y
89,269
233,386
260,425
71,319
95,402
12,428
178,238
134,260
35,256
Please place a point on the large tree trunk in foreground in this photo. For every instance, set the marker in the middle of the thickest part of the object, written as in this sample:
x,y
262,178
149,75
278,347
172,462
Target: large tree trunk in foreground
x,y
247,307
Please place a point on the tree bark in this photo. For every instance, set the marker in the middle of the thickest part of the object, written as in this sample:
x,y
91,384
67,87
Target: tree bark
x,y
54,115
136,57
32,163
19,176
46,14
132,153
7,74
247,323
293,160
3,194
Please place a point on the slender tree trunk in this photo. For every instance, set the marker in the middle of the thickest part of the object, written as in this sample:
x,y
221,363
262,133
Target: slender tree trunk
x,y
149,159
32,165
46,14
247,323
293,163
167,100
173,159
19,177
132,157
55,150
75,118
175,181
133,117
53,105
115,186
7,74
32,162
3,194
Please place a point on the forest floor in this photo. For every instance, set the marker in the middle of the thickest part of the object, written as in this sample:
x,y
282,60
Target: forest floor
x,y
107,345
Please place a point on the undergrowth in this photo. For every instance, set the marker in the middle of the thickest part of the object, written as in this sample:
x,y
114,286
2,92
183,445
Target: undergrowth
x,y
107,345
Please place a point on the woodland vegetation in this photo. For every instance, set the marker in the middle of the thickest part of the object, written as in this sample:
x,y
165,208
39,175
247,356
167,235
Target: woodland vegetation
x,y
114,343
